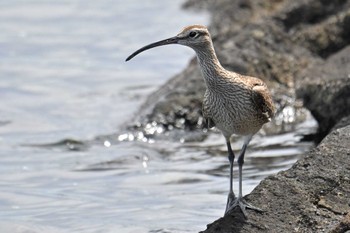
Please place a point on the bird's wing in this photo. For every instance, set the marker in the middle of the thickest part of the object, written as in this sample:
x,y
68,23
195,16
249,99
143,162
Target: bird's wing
x,y
262,98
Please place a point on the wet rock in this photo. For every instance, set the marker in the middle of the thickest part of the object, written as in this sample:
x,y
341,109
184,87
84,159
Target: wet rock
x,y
312,196
178,103
325,90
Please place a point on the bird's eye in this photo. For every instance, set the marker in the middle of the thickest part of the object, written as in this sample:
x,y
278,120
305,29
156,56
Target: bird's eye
x,y
193,34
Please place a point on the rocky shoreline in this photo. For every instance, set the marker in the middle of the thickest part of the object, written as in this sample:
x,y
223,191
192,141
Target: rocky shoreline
x,y
301,49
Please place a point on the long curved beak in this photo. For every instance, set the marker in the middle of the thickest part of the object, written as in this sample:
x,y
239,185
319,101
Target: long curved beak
x,y
172,40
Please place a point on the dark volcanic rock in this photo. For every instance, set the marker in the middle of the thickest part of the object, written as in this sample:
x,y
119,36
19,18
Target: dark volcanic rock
x,y
326,90
312,196
178,100
343,226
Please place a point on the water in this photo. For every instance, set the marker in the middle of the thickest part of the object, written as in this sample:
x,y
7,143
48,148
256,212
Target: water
x,y
63,77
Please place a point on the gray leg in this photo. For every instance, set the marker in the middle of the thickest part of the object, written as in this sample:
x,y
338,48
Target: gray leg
x,y
240,201
231,157
240,162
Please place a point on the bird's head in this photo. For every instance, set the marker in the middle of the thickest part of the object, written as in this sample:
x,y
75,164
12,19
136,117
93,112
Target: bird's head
x,y
194,36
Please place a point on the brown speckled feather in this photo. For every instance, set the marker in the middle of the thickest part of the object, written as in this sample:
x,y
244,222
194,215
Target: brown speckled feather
x,y
261,97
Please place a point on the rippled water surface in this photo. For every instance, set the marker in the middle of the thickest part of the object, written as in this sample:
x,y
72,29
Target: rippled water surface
x,y
64,83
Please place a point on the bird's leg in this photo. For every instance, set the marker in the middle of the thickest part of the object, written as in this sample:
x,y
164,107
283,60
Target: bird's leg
x,y
240,162
240,201
231,157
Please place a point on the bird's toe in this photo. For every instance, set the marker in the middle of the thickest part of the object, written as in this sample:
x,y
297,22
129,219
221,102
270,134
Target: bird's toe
x,y
243,205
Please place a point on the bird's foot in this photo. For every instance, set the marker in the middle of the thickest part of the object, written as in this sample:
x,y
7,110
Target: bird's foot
x,y
231,198
243,205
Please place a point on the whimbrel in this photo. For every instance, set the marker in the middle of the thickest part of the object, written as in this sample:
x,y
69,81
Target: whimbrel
x,y
233,103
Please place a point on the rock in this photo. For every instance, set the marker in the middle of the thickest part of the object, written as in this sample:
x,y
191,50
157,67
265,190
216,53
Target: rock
x,y
343,226
312,196
325,90
179,98
342,123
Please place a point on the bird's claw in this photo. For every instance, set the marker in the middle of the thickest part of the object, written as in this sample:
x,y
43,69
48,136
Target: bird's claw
x,y
231,198
243,205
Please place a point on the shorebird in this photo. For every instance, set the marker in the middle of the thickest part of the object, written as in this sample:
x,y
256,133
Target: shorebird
x,y
233,103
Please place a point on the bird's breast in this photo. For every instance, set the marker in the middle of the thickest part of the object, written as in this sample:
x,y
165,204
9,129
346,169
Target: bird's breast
x,y
232,112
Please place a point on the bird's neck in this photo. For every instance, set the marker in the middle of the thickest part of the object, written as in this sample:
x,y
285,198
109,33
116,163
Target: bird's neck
x,y
210,66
